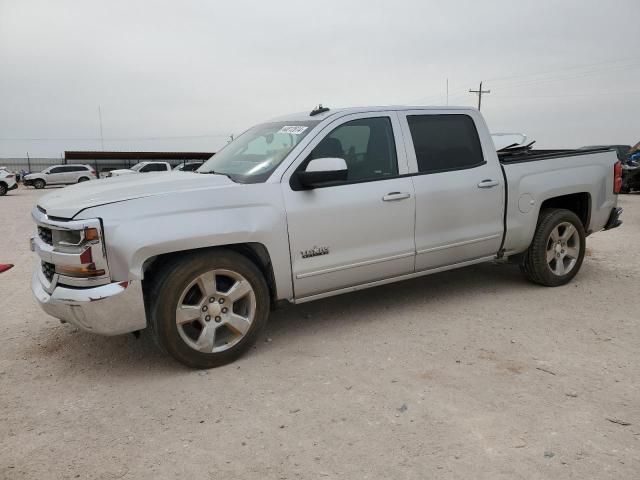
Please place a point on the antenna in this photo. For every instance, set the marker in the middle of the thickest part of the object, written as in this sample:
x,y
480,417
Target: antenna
x,y
100,120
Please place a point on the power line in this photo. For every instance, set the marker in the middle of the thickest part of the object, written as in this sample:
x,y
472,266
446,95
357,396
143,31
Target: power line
x,y
561,74
567,95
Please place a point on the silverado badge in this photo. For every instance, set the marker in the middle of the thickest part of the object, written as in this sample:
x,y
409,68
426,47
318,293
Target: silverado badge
x,y
314,252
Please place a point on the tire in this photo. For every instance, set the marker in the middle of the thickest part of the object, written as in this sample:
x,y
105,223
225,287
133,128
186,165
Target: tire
x,y
177,288
554,257
83,179
39,183
3,189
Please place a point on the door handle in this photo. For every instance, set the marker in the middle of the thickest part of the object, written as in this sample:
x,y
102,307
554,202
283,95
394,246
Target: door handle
x,y
488,183
394,196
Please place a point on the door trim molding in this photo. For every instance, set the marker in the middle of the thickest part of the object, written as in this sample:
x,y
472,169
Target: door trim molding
x,y
353,265
459,244
385,281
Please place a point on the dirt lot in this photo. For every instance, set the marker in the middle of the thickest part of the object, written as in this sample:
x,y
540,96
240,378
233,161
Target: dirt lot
x,y
468,374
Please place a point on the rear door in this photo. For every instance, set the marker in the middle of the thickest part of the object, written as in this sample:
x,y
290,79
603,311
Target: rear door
x,y
75,172
459,194
360,230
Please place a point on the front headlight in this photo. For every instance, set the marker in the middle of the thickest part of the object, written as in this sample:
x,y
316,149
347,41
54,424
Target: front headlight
x,y
74,238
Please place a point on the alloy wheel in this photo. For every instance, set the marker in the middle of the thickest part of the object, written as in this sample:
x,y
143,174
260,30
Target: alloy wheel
x,y
563,248
215,311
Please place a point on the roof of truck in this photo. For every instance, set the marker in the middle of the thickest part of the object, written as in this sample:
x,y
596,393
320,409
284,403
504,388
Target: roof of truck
x,y
349,110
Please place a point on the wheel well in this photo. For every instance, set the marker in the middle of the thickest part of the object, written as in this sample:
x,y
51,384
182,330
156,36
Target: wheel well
x,y
256,252
578,203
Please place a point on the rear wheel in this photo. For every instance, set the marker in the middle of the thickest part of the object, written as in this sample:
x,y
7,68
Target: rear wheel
x,y
3,189
557,250
39,183
208,308
83,179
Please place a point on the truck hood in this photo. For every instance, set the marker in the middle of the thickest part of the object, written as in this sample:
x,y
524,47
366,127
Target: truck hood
x,y
68,202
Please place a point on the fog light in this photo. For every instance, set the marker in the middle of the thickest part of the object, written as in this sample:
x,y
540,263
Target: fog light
x,y
83,271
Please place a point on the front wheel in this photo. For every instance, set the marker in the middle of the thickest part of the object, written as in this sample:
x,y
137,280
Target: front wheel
x,y
207,309
3,189
39,184
557,250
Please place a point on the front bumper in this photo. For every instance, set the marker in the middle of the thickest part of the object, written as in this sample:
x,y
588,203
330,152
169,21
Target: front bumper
x,y
111,309
27,183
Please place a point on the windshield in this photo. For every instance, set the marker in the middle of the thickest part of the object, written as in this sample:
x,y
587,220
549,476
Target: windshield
x,y
138,166
255,154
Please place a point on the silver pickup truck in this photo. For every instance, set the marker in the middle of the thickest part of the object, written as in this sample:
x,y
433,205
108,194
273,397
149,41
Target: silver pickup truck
x,y
307,206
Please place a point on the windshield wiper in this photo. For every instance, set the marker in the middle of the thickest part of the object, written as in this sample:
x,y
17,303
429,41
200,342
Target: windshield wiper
x,y
211,172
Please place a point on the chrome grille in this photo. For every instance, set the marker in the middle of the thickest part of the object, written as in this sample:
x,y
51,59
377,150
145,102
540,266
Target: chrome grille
x,y
48,269
45,235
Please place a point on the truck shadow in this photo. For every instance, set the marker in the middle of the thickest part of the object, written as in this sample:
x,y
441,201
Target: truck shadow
x,y
398,298
66,348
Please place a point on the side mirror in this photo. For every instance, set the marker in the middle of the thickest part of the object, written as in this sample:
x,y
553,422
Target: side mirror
x,y
321,171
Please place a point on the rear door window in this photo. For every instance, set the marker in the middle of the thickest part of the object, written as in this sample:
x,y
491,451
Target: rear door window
x,y
445,142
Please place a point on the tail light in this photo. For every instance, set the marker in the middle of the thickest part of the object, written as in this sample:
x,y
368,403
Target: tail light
x,y
10,176
617,177
93,172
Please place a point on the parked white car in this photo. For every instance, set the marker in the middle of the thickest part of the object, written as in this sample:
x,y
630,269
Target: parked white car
x,y
307,206
7,181
61,175
142,167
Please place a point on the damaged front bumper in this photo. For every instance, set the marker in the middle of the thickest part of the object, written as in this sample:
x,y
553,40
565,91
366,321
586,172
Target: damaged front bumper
x,y
110,309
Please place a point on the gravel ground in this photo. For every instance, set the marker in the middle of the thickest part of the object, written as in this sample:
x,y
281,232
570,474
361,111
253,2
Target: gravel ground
x,y
473,373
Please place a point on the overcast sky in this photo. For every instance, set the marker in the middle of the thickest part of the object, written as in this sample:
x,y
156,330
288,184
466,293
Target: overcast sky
x,y
182,75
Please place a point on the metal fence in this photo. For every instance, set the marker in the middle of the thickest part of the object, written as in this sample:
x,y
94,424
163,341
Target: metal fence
x,y
29,164
102,166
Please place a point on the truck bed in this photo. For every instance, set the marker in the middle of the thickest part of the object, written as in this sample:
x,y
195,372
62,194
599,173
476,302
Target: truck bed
x,y
524,154
530,180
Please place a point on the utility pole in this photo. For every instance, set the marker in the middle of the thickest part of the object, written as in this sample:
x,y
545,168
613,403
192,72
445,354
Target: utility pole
x,y
480,92
28,162
100,119
447,91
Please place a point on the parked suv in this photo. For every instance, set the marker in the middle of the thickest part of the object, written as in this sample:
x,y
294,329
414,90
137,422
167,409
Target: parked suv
x,y
61,175
7,181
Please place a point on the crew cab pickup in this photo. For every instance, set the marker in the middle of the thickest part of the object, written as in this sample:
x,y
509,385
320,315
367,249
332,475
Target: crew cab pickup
x,y
141,167
307,206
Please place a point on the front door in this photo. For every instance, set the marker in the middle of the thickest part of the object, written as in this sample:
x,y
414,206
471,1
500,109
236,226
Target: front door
x,y
56,176
360,230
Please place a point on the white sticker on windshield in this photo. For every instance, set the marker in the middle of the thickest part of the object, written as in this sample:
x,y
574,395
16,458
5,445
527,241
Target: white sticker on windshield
x,y
293,129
